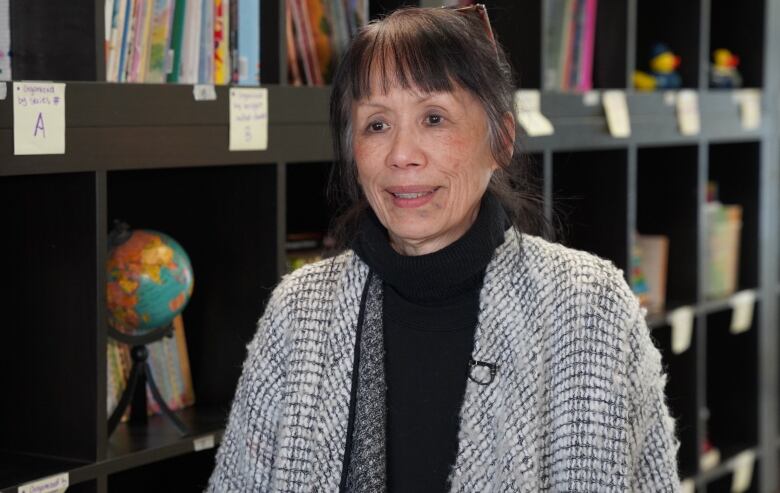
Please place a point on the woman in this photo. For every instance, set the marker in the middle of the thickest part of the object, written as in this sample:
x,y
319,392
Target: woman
x,y
447,348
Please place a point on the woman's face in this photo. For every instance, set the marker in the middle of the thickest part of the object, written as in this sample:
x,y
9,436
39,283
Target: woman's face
x,y
423,162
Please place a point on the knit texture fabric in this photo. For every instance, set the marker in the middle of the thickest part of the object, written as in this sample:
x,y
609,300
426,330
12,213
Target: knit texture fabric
x,y
367,467
577,402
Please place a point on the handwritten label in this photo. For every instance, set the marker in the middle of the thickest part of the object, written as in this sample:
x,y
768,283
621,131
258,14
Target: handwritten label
x,y
742,304
681,320
591,98
39,118
749,101
688,112
203,443
529,114
616,109
204,92
51,484
743,471
3,90
248,119
687,486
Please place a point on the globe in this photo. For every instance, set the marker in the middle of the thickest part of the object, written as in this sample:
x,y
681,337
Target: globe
x,y
149,280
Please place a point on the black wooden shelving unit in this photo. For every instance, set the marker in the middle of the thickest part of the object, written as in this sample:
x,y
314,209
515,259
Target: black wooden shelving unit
x,y
154,156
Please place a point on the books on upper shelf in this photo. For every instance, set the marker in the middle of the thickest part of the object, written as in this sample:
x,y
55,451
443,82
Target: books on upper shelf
x,y
649,266
169,361
724,226
5,40
191,42
317,32
569,40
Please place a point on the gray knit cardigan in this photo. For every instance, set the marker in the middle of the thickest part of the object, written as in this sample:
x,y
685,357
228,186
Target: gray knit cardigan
x,y
577,403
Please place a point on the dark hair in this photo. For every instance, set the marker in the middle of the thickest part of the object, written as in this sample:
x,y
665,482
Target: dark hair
x,y
430,50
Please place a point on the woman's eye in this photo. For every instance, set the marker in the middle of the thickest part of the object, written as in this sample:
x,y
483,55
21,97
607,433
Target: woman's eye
x,y
434,119
376,126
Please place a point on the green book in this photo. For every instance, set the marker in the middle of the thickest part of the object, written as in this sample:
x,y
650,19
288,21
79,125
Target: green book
x,y
177,35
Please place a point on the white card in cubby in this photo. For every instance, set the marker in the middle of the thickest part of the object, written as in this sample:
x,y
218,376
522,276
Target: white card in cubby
x,y
248,119
51,484
616,109
39,118
743,471
529,114
688,117
681,321
742,305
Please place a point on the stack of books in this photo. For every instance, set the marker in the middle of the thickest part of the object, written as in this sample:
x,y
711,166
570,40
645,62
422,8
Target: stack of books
x,y
318,32
190,42
724,226
569,42
649,266
170,365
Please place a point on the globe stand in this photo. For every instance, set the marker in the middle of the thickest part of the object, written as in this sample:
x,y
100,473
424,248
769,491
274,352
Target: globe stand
x,y
134,394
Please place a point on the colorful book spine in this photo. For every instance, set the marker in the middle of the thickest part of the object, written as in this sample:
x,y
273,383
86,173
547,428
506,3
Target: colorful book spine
x,y
206,61
249,42
190,49
177,36
126,29
321,30
159,41
233,41
587,46
221,33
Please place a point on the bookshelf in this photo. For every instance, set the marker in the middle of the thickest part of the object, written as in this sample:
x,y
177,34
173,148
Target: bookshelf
x,y
157,158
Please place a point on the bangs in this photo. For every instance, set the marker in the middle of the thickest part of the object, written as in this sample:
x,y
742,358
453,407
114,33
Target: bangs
x,y
411,52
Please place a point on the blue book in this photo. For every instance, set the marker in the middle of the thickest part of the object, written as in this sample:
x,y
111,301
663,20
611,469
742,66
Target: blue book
x,y
125,34
249,42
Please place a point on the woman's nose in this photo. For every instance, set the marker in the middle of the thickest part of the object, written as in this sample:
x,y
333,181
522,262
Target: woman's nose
x,y
406,148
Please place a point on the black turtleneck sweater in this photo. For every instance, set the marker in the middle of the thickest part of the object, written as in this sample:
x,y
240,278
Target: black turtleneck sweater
x,y
430,310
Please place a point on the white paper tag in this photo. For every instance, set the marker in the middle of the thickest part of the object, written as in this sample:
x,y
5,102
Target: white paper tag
x,y
39,118
591,98
688,117
687,486
709,459
681,320
749,108
616,109
204,92
743,305
248,119
743,471
52,484
670,98
529,115
203,443
3,90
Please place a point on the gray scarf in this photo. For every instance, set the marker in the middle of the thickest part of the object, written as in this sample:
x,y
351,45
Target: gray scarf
x,y
367,470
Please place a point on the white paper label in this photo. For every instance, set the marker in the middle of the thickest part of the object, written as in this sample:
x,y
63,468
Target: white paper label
x,y
39,118
670,98
681,320
248,119
204,92
529,115
743,305
743,471
591,98
616,109
709,460
687,486
51,484
749,108
3,90
203,443
688,117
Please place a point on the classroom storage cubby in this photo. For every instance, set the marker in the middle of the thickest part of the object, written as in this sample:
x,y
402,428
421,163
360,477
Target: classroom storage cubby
x,y
590,198
682,393
668,204
518,28
732,384
49,319
734,167
723,483
739,27
308,208
221,216
675,24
